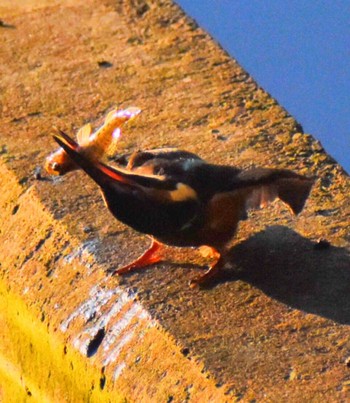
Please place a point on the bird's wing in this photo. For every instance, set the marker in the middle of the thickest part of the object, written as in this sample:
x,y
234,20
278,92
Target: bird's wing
x,y
138,158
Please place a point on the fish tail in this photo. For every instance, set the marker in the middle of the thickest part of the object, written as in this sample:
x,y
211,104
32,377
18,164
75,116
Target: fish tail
x,y
107,137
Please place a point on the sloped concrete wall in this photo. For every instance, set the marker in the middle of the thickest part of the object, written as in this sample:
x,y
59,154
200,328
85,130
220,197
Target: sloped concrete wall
x,y
275,326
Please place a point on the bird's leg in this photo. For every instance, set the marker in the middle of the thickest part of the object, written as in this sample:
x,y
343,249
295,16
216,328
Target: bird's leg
x,y
146,259
213,268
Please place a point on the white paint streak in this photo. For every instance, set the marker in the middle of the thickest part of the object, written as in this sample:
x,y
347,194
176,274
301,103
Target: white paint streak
x,y
92,307
83,340
122,323
140,334
118,371
104,309
113,355
84,253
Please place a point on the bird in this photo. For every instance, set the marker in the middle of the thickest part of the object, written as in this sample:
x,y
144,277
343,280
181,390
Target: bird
x,y
179,199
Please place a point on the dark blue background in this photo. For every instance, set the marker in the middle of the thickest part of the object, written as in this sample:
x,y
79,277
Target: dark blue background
x,y
298,51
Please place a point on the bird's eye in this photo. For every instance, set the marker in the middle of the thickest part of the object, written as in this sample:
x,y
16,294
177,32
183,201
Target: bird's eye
x,y
55,166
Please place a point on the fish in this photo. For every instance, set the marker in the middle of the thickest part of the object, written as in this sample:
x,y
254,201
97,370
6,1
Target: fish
x,y
95,145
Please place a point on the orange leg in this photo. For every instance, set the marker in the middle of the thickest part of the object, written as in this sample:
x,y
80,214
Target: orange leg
x,y
211,272
146,259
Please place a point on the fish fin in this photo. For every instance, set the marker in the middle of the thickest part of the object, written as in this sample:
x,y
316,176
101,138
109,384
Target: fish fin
x,y
84,134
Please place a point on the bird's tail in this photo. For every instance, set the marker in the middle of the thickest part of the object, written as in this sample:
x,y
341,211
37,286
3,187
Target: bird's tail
x,y
295,191
269,184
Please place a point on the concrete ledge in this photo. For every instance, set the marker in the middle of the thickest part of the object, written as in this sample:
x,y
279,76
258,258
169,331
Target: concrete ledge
x,y
50,278
274,327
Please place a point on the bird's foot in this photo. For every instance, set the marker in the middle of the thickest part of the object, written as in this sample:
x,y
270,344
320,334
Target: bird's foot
x,y
211,272
149,257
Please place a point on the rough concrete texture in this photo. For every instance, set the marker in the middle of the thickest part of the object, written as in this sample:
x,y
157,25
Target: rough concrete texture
x,y
274,327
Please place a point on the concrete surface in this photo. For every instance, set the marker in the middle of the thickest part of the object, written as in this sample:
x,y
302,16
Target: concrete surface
x,y
274,327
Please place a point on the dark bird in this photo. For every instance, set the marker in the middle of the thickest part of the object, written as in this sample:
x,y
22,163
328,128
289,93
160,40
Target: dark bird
x,y
179,199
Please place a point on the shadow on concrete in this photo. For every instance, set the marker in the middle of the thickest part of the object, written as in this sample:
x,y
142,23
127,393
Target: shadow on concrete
x,y
289,268
4,24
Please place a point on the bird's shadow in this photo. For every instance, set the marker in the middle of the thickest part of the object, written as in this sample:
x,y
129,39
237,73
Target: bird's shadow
x,y
295,271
